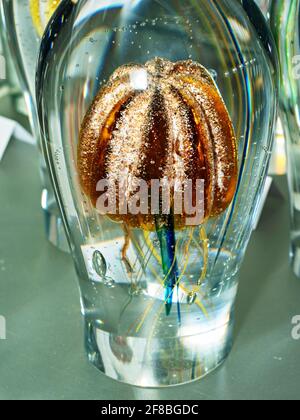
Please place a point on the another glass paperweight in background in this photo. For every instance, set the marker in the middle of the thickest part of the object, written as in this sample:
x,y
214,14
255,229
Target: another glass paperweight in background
x,y
164,82
278,164
285,25
10,89
23,22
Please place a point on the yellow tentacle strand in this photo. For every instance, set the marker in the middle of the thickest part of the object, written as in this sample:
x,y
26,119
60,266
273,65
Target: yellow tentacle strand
x,y
204,241
144,316
36,16
204,249
186,257
39,18
51,7
161,281
151,247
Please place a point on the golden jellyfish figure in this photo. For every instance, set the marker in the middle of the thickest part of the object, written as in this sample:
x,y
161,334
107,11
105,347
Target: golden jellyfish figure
x,y
165,121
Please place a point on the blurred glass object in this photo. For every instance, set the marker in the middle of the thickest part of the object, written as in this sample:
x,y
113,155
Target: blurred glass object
x,y
278,165
157,294
22,24
9,83
285,25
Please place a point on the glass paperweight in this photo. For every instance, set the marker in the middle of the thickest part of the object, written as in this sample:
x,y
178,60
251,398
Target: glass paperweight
x,y
278,164
23,23
285,26
157,123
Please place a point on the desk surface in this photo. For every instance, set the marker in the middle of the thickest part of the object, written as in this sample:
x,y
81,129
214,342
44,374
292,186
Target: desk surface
x,y
43,356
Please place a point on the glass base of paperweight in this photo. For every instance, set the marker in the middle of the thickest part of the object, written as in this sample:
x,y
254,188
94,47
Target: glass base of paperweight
x,y
157,361
132,336
54,226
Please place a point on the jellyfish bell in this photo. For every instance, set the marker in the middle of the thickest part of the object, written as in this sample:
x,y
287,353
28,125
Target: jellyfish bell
x,y
165,121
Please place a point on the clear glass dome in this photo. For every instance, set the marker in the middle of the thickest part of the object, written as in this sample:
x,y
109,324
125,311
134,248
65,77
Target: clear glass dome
x,y
157,301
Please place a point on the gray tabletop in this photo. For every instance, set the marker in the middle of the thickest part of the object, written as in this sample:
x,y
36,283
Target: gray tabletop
x,y
43,356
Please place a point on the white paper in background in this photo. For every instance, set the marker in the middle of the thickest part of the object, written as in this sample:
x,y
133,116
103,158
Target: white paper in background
x,y
7,128
10,128
23,135
262,202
